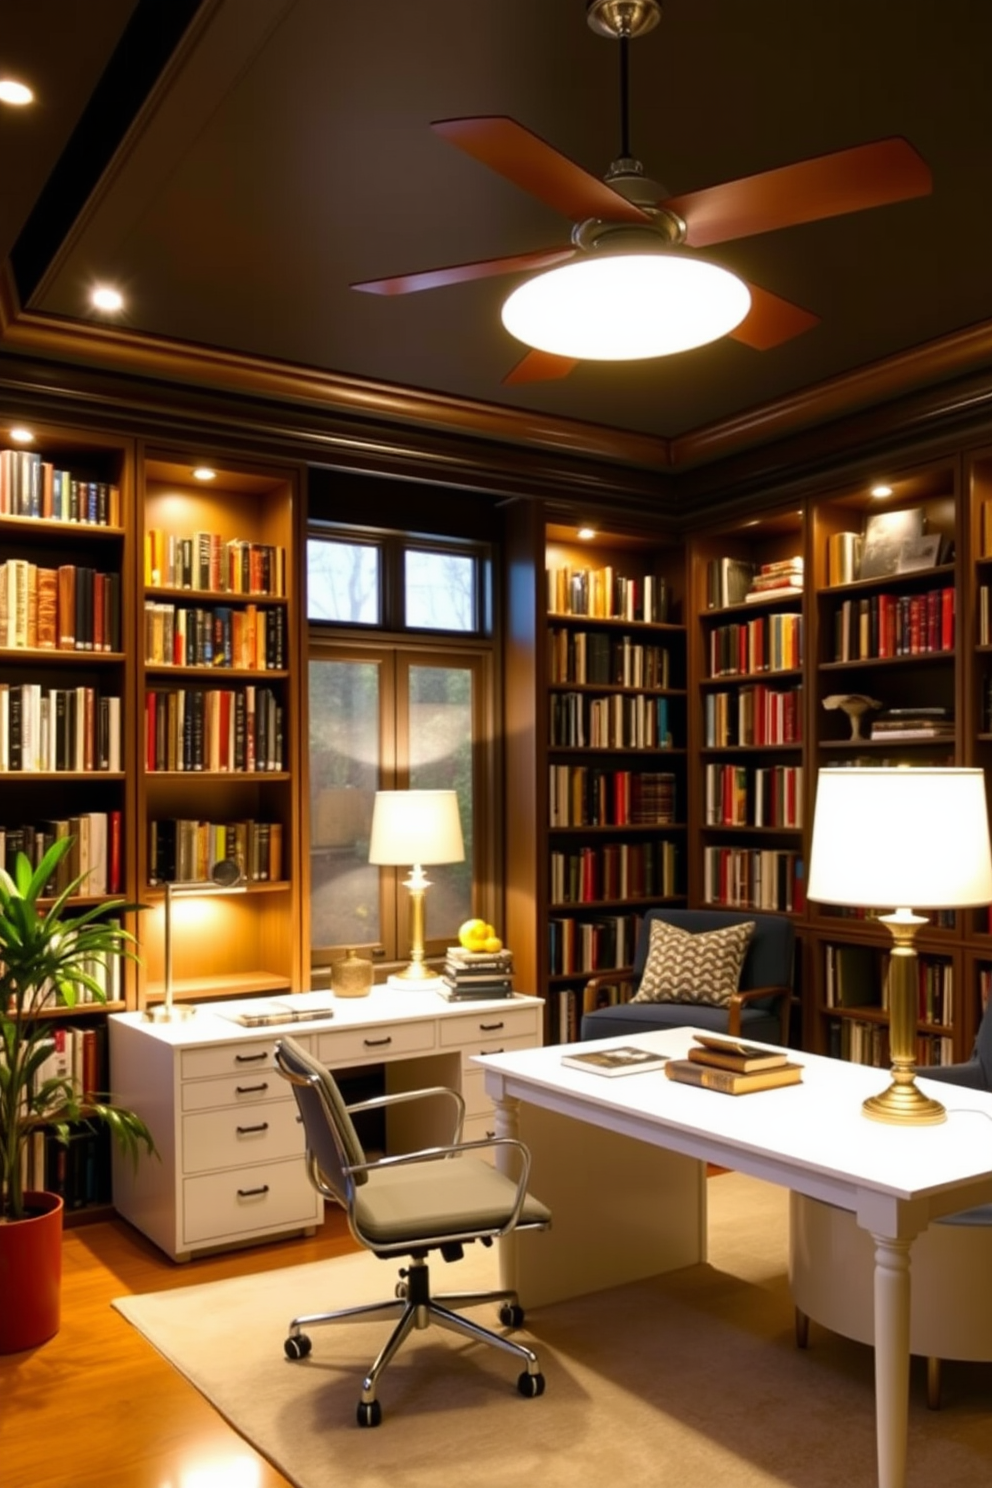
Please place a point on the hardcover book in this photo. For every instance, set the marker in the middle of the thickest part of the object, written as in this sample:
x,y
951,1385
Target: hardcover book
x,y
732,1082
732,1054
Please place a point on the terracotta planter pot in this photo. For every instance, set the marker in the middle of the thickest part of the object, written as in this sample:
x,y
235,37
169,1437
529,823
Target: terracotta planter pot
x,y
31,1275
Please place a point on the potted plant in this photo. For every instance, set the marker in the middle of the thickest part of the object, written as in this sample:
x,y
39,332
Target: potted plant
x,y
45,956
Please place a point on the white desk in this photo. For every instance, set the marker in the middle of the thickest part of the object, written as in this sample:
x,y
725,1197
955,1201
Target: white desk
x,y
810,1138
230,1169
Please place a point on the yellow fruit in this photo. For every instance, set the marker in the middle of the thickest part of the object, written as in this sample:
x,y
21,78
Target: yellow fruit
x,y
492,943
472,933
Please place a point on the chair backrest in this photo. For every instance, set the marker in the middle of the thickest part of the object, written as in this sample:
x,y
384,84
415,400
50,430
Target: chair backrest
x,y
769,958
332,1142
983,1046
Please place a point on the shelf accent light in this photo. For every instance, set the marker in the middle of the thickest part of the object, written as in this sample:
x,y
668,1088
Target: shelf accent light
x,y
901,835
226,878
627,306
416,828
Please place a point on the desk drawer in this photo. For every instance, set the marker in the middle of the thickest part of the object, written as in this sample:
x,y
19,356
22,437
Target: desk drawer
x,y
249,1134
496,1026
247,1201
261,1084
235,1058
390,1041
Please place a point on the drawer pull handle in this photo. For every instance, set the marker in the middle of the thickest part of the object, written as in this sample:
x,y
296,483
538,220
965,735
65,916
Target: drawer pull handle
x,y
377,1043
253,1193
252,1058
251,1089
245,1131
492,1051
490,1027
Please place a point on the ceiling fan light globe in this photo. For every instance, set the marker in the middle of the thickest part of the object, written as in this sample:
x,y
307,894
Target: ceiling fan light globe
x,y
626,307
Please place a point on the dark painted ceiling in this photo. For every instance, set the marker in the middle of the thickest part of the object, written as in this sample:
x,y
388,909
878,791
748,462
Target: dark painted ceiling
x,y
286,151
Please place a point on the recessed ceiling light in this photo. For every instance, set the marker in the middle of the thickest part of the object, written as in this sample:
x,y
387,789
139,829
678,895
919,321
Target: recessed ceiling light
x,y
881,490
18,94
21,435
204,473
586,533
105,298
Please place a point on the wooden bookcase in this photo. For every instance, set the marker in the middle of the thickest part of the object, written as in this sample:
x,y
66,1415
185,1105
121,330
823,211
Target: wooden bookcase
x,y
596,717
221,556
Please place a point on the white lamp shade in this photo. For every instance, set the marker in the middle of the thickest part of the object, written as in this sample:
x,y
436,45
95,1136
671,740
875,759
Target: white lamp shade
x,y
901,838
624,307
416,826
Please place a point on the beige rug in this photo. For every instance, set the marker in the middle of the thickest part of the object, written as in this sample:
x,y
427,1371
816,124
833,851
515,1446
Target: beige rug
x,y
687,1380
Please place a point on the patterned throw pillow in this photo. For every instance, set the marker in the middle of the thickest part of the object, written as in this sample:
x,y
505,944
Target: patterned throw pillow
x,y
701,968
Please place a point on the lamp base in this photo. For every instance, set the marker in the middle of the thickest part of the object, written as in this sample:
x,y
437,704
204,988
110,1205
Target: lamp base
x,y
160,1013
904,1105
414,977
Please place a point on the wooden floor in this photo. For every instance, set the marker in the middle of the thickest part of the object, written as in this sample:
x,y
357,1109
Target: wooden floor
x,y
97,1407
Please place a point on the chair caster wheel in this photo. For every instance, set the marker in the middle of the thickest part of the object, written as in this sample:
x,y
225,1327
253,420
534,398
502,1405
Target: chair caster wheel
x,y
531,1385
297,1346
511,1315
369,1413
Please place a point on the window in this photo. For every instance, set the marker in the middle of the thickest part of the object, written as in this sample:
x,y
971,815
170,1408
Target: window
x,y
395,711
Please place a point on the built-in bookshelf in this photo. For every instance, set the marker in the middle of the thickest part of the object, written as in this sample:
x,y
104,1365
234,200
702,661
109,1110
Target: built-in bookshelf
x,y
219,724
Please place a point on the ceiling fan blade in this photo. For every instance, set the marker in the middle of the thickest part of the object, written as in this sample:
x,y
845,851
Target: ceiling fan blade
x,y
487,268
828,186
535,166
539,366
772,320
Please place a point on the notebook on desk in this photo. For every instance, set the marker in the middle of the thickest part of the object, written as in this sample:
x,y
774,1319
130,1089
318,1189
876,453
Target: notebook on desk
x,y
295,1007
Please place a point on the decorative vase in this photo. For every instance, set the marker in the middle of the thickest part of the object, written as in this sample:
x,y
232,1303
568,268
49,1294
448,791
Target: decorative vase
x,y
351,977
31,1274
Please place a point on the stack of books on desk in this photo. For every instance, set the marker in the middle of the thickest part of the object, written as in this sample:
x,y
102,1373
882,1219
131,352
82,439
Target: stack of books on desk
x,y
476,974
733,1067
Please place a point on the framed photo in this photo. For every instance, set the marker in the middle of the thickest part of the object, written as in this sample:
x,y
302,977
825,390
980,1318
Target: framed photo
x,y
919,552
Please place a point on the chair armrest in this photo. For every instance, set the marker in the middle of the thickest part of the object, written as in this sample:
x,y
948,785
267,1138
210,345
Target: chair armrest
x,y
757,994
455,1149
611,978
376,1102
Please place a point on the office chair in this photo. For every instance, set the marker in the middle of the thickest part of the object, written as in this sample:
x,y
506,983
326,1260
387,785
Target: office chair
x,y
441,1198
758,1009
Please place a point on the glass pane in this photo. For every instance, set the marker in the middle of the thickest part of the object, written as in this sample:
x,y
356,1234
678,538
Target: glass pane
x,y
440,590
343,581
441,759
344,774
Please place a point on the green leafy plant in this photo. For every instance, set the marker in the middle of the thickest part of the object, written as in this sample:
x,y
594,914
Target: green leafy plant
x,y
46,956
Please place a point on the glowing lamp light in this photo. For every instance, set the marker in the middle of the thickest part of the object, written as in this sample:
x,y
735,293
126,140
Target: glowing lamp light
x,y
625,307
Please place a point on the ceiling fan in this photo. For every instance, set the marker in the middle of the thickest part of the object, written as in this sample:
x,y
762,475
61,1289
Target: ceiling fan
x,y
631,283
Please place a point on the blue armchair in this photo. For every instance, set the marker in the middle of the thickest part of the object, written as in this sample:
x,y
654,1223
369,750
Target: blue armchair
x,y
758,1010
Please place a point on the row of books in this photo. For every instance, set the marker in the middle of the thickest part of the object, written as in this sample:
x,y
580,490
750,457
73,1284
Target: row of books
x,y
782,579
218,729
755,714
766,796
595,657
79,1169
768,643
615,722
753,878
868,1043
591,796
33,487
884,625
615,872
70,608
45,729
211,563
577,946
183,850
96,852
476,975
252,638
857,976
604,594
913,723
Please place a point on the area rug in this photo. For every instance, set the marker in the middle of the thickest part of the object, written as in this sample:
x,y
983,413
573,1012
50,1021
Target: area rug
x,y
685,1380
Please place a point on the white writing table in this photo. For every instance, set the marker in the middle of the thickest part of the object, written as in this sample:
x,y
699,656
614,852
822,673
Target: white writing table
x,y
621,1163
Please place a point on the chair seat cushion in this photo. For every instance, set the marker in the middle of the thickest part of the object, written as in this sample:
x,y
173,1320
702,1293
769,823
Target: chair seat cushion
x,y
411,1204
629,1018
704,968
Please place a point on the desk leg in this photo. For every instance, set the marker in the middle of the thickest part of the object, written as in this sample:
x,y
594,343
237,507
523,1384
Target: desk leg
x,y
507,1124
891,1358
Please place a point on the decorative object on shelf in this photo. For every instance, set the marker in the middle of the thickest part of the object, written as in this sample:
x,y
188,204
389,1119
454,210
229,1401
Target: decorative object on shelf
x,y
351,976
42,950
901,836
416,828
226,878
855,705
